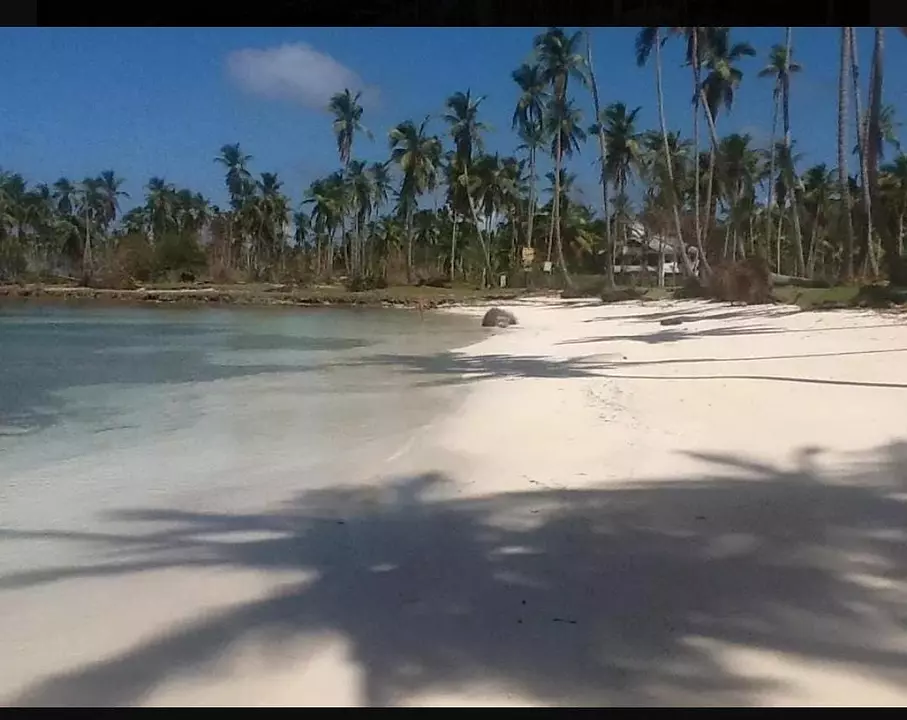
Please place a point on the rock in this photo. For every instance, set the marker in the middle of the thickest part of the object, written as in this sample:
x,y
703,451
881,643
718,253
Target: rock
x,y
672,321
496,317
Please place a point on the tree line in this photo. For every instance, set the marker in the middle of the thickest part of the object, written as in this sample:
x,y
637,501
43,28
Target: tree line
x,y
710,199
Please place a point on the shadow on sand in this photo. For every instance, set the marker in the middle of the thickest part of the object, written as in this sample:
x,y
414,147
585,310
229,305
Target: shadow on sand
x,y
458,368
595,597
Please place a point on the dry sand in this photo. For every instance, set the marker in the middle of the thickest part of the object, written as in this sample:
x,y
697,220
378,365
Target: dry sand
x,y
619,512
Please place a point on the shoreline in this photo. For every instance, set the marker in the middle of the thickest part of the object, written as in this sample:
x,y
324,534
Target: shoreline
x,y
262,296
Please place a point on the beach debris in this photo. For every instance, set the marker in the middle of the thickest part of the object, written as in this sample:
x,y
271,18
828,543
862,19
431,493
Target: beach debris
x,y
672,321
496,317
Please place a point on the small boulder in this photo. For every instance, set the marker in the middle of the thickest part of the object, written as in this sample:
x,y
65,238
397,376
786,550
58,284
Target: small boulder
x,y
496,317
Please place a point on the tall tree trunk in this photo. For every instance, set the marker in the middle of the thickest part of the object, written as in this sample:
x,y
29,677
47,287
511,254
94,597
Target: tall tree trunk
x,y
453,244
482,238
843,186
866,251
894,263
713,137
87,262
794,205
697,99
603,176
680,247
771,176
778,246
409,243
558,160
530,219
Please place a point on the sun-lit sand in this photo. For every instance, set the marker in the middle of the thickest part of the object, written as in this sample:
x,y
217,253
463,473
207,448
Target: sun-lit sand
x,y
618,512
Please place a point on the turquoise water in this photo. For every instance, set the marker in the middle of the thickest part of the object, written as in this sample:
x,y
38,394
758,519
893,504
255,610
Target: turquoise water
x,y
107,407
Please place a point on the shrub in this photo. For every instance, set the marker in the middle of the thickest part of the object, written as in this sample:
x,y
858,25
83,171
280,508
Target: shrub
x,y
435,281
364,283
622,294
176,255
133,259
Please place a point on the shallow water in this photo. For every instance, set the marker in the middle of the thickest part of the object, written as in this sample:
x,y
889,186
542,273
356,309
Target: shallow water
x,y
106,408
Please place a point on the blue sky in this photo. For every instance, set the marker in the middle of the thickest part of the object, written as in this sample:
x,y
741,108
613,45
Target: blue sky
x,y
148,101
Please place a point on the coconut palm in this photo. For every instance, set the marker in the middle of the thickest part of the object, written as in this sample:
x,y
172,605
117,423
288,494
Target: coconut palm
x,y
895,266
894,185
560,59
780,67
564,126
347,112
844,68
647,40
866,252
466,131
418,156
528,120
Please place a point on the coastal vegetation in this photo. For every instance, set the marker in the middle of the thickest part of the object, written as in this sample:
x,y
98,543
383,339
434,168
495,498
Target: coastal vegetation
x,y
698,205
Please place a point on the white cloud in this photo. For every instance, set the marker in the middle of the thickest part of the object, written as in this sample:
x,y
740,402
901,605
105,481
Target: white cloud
x,y
295,72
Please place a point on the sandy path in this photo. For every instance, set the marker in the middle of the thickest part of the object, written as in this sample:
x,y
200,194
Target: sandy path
x,y
620,512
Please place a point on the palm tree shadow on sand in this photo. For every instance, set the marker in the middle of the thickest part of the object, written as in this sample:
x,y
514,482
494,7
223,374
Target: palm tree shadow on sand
x,y
590,597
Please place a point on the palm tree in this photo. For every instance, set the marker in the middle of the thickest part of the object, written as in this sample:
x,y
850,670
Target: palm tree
x,y
599,130
560,60
738,170
238,177
717,90
533,138
894,182
109,187
818,182
698,44
465,129
347,122
418,156
866,251
780,67
528,119
648,39
564,126
359,182
623,154
894,263
847,268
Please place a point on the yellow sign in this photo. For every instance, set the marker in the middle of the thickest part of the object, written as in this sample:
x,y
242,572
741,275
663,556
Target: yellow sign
x,y
528,256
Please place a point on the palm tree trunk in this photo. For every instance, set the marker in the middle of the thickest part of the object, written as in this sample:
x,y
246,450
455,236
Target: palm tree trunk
x,y
778,246
603,177
680,248
453,245
866,250
771,176
713,137
709,188
843,186
86,251
557,212
409,243
811,257
531,217
894,263
901,233
482,239
794,207
697,98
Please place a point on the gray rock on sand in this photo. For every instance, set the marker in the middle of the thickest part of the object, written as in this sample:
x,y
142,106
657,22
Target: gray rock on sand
x,y
496,317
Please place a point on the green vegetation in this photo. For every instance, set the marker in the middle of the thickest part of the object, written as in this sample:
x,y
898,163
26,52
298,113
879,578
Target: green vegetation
x,y
362,227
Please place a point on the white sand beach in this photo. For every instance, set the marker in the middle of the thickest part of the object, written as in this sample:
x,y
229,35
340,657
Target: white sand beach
x,y
619,512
